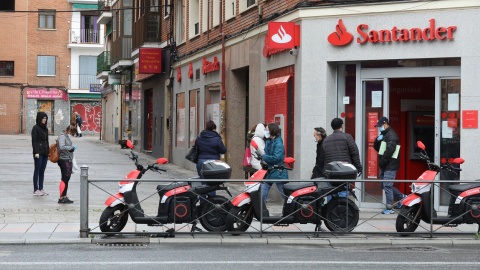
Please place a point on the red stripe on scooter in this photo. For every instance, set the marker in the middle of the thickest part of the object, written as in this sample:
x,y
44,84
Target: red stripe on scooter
x,y
260,174
132,175
410,198
177,191
113,198
470,192
304,191
240,198
427,175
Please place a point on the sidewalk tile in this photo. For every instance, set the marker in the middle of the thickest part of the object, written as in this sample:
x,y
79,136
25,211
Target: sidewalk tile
x,y
42,227
16,227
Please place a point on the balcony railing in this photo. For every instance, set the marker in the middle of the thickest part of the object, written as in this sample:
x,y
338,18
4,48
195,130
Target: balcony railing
x,y
103,62
79,81
86,36
146,29
104,4
121,49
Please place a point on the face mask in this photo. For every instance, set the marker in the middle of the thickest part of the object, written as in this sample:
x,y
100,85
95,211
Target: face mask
x,y
314,139
381,128
267,134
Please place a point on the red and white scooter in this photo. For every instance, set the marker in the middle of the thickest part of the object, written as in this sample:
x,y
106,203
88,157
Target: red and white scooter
x,y
464,206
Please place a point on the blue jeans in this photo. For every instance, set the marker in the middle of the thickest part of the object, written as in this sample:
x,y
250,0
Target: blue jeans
x,y
337,193
199,171
390,190
266,188
38,174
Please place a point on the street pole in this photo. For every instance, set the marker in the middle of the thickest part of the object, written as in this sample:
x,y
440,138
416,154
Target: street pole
x,y
84,230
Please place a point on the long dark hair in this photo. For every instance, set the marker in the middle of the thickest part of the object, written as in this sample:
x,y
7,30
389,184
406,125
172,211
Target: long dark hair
x,y
274,129
71,129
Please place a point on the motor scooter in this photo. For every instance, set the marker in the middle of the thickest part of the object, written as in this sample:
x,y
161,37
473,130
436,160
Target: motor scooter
x,y
178,201
464,206
305,202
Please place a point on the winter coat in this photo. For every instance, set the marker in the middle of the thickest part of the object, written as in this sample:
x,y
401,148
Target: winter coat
x,y
258,138
317,172
210,145
65,147
275,155
40,136
78,119
386,162
339,146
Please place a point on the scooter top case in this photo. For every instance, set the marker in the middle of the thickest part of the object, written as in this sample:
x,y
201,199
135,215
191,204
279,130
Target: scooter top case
x,y
340,170
215,169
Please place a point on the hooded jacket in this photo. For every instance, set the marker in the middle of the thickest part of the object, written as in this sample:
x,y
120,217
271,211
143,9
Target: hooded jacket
x,y
258,138
65,147
386,162
210,145
40,143
275,155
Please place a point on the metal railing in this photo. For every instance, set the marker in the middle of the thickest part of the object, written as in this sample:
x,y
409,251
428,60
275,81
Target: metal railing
x,y
103,62
272,228
84,36
147,29
121,49
104,4
80,81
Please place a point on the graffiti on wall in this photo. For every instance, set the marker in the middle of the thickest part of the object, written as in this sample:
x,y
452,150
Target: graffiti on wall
x,y
91,113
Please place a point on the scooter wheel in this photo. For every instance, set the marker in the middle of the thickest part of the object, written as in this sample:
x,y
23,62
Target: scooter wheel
x,y
114,219
408,219
214,212
239,218
341,215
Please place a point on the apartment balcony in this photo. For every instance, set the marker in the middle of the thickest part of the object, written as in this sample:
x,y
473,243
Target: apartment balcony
x,y
121,52
78,81
84,38
103,65
106,15
147,29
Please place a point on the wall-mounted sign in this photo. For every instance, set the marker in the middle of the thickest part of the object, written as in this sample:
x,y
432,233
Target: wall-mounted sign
x,y
470,119
150,60
210,66
115,79
44,93
342,37
95,88
284,35
267,51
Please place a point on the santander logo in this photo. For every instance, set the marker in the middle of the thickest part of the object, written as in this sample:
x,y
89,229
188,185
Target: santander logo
x,y
282,36
341,37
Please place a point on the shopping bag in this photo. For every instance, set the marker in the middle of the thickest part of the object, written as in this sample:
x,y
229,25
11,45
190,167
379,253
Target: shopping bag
x,y
74,165
79,131
247,158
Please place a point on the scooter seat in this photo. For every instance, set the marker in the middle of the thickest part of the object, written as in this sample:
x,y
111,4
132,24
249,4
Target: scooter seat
x,y
463,187
167,187
289,188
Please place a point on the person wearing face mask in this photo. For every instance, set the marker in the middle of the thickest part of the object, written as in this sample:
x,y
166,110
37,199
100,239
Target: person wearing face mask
x,y
274,155
259,139
387,144
319,134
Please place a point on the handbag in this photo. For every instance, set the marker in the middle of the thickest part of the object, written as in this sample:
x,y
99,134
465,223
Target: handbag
x,y
193,154
247,158
79,131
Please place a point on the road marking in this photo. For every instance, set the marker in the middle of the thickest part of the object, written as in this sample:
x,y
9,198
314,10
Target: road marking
x,y
238,262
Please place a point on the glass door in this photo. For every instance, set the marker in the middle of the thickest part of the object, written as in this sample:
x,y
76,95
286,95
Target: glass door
x,y
373,108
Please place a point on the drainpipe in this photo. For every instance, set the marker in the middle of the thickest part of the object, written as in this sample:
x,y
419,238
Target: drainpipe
x,y
223,94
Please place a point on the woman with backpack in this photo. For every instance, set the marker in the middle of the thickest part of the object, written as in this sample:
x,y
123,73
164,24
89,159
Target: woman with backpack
x,y
65,148
40,152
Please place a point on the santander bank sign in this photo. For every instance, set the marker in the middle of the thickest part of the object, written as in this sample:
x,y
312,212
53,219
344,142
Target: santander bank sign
x,y
342,37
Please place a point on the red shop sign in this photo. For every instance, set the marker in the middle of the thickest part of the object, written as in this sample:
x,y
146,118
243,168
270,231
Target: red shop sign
x,y
45,93
150,60
209,66
283,35
470,119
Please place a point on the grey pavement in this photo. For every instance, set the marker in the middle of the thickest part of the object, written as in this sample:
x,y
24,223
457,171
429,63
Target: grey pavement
x,y
28,219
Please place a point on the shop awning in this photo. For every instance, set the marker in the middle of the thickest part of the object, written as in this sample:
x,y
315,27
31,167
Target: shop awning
x,y
85,6
276,95
278,81
84,96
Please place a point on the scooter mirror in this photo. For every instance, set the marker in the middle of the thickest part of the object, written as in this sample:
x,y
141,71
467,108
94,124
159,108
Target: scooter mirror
x,y
254,144
289,160
421,145
458,161
129,144
162,161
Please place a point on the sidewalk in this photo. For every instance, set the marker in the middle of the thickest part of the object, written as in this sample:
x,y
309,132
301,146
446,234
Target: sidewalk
x,y
28,219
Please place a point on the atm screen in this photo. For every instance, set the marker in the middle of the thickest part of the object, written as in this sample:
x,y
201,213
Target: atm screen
x,y
422,128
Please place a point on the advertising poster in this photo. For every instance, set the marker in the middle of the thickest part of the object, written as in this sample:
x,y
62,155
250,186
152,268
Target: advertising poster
x,y
213,113
181,124
372,130
372,163
193,127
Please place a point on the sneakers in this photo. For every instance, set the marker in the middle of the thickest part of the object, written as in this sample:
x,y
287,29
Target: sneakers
x,y
65,200
399,203
44,192
37,193
388,212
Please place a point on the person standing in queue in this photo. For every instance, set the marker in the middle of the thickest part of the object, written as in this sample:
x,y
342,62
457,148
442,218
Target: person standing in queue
x,y
40,152
319,134
65,148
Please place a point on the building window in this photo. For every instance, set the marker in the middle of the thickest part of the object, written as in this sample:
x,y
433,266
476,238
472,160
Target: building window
x,y
180,136
7,5
194,17
245,5
46,19
230,9
45,65
181,21
251,3
167,8
194,116
6,68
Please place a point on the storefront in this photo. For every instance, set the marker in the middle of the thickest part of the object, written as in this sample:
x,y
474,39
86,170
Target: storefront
x,y
418,69
90,109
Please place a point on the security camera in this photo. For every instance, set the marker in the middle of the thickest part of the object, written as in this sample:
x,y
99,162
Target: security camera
x,y
294,52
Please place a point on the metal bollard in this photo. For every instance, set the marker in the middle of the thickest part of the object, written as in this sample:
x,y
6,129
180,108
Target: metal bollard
x,y
84,230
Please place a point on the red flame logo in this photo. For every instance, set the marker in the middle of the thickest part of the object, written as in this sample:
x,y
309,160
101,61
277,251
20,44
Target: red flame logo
x,y
341,36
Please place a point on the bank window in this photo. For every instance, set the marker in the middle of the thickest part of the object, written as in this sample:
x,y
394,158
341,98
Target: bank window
x,y
7,5
46,19
45,65
6,68
212,105
194,113
180,138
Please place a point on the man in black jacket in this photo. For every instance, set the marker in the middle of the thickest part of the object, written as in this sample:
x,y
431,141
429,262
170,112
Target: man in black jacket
x,y
387,145
339,146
